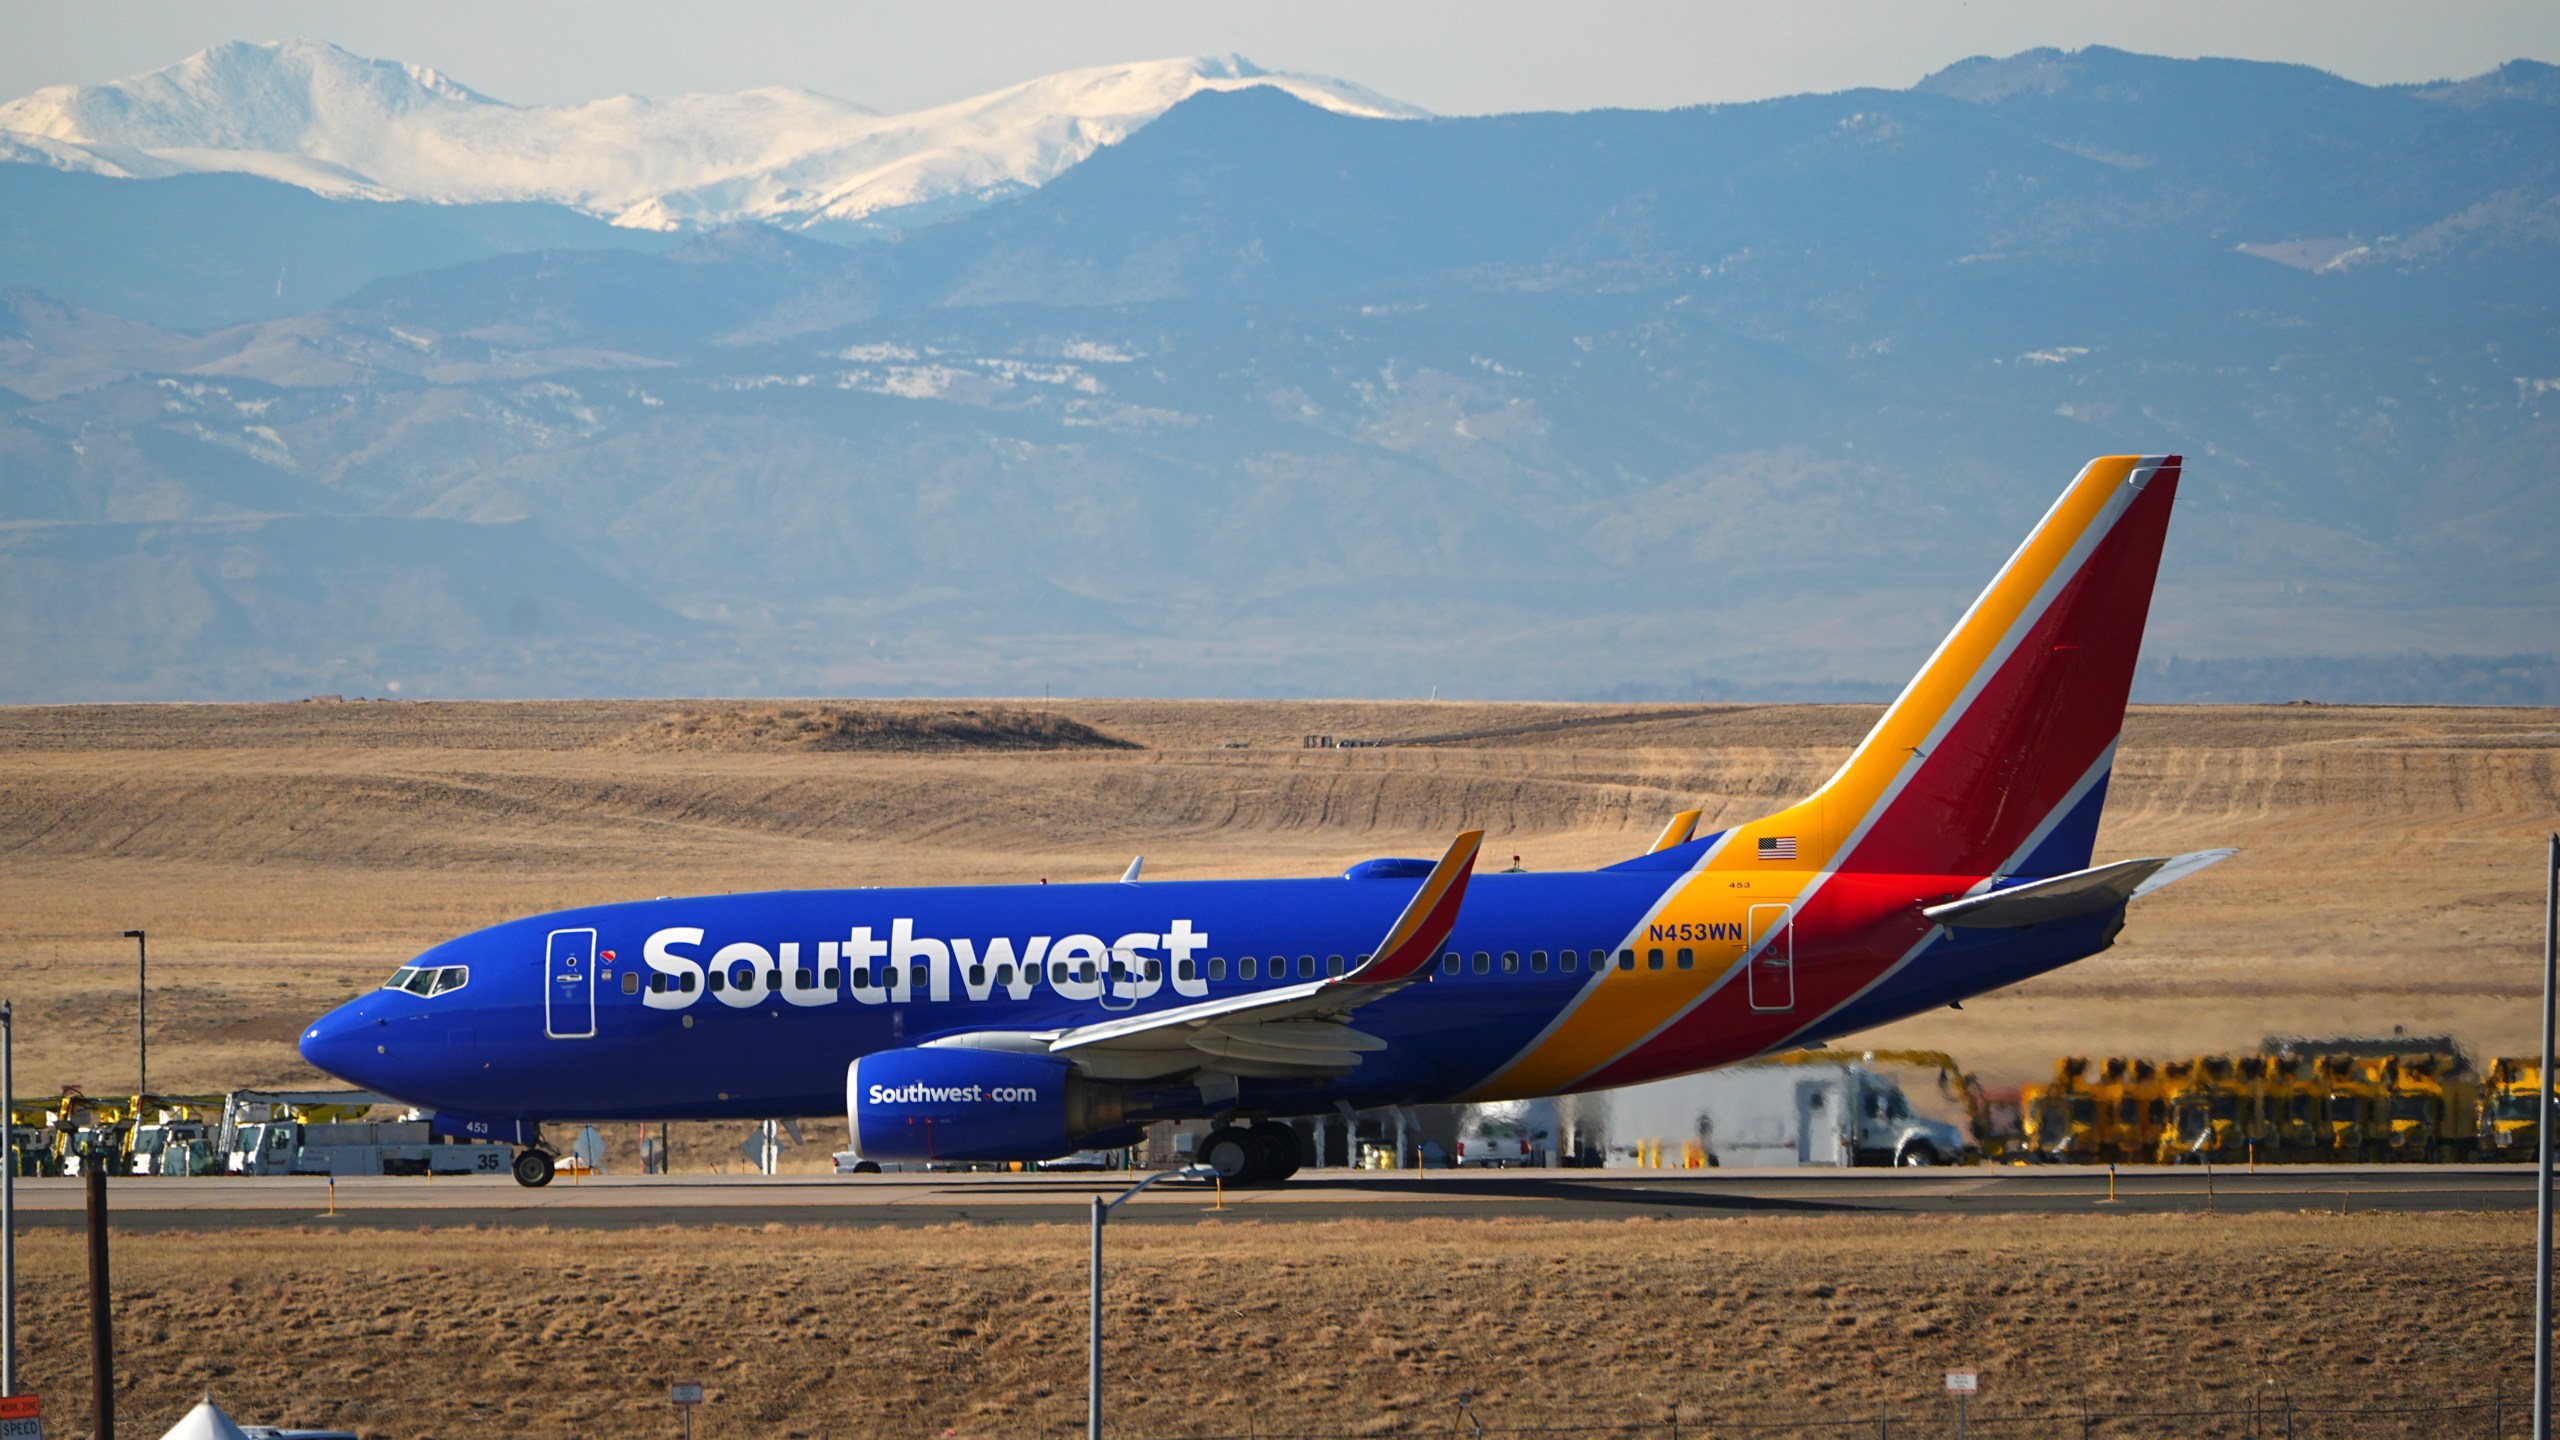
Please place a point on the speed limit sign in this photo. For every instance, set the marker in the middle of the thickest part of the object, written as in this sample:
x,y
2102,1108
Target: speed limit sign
x,y
21,1418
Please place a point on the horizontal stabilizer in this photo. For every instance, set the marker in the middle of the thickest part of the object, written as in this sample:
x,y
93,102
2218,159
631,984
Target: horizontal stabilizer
x,y
2068,897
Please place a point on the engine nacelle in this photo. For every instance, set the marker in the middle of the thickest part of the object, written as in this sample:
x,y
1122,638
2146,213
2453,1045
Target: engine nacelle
x,y
935,1103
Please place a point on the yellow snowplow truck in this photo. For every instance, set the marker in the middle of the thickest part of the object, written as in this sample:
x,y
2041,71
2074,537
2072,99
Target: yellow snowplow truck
x,y
2132,1110
2289,1097
2061,1120
2351,1099
2431,1109
2208,1119
2511,1105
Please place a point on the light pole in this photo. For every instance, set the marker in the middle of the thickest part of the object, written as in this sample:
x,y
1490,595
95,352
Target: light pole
x,y
2542,1147
142,1007
1093,1351
9,1200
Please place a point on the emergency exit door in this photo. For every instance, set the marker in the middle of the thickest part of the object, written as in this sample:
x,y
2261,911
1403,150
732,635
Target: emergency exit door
x,y
1772,977
569,986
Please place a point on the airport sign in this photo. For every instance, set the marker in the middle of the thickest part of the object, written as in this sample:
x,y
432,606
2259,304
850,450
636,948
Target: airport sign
x,y
685,1392
1961,1382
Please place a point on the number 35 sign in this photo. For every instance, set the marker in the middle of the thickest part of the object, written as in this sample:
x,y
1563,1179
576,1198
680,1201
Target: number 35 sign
x,y
19,1418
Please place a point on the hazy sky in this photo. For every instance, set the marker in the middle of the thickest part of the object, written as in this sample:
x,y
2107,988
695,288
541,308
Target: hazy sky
x,y
1453,56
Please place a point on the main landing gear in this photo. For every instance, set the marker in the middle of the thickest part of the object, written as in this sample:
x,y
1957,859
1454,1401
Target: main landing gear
x,y
1262,1155
533,1168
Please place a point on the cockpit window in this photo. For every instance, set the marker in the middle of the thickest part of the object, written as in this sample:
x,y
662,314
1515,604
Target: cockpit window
x,y
428,979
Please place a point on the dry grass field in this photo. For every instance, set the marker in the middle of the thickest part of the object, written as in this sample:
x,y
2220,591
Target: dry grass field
x,y
1350,1328
282,856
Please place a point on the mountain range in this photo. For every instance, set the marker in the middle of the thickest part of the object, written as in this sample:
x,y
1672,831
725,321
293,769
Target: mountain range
x,y
1267,396
341,125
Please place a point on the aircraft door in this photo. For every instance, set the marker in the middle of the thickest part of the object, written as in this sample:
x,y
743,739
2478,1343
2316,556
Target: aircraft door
x,y
569,986
1772,979
1818,1124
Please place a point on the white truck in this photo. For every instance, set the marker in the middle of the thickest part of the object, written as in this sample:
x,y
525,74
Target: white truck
x,y
1839,1113
357,1147
1507,1135
173,1147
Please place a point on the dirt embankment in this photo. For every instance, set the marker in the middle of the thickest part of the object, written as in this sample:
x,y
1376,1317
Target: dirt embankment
x,y
1346,1328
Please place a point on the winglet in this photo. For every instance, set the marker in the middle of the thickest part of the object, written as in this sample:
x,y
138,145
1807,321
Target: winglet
x,y
1677,832
1416,936
1130,875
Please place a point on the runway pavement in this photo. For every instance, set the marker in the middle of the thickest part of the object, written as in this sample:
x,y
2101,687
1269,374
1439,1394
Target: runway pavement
x,y
618,1202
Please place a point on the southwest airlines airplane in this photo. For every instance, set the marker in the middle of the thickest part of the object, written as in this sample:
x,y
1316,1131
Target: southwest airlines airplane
x,y
1949,856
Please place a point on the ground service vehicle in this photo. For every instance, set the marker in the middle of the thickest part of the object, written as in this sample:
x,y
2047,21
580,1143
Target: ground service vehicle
x,y
2132,1112
2295,1128
1504,1137
173,1147
2352,1100
1832,1112
356,1147
2208,1119
2061,1120
2511,1105
1951,854
2431,1109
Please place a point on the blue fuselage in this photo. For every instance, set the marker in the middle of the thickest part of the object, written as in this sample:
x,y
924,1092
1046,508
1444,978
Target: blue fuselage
x,y
753,1005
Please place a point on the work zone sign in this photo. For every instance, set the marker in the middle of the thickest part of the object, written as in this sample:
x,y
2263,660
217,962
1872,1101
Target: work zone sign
x,y
21,1418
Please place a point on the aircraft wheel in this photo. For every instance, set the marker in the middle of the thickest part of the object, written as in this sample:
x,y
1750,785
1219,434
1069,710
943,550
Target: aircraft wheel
x,y
533,1168
1235,1154
1279,1146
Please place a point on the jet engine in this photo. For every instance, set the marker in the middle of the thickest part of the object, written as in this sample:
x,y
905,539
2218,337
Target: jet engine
x,y
938,1103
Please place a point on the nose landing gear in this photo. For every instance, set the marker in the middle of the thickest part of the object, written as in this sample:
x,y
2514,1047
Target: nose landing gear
x,y
533,1168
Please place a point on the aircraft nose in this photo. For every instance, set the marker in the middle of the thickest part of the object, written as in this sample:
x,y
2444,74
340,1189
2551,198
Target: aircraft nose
x,y
341,1043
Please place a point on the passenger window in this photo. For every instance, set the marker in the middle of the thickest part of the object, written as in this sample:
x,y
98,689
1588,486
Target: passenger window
x,y
719,982
685,985
1537,962
1510,962
1688,958
1449,963
1004,974
1333,966
827,978
861,977
1217,967
773,978
630,982
1570,962
658,984
1085,971
1306,967
1484,963
1626,959
1058,972
916,977
806,980
1653,959
978,974
1155,969
1248,968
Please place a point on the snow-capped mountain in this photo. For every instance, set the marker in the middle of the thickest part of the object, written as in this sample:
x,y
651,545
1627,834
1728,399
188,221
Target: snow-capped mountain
x,y
311,114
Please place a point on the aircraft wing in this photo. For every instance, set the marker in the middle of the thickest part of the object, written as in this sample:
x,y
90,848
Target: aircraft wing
x,y
2067,897
1299,1029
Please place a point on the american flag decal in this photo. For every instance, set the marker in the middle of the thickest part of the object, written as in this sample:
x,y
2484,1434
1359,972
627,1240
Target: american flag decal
x,y
1777,847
